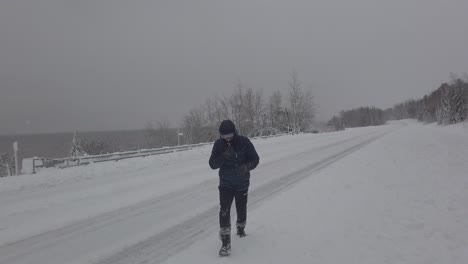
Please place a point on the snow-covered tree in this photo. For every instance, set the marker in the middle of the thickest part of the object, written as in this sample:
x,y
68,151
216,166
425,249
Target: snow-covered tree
x,y
5,165
447,105
458,101
97,147
452,107
443,108
77,150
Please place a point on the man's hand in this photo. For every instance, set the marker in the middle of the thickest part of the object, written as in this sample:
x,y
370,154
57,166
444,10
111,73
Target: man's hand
x,y
229,153
244,169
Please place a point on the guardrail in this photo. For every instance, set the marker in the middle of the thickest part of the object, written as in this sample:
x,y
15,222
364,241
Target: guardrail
x,y
40,162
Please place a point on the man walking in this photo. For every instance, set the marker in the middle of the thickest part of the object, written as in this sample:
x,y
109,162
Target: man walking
x,y
235,156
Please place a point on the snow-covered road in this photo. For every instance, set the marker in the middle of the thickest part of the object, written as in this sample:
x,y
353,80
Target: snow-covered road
x,y
147,210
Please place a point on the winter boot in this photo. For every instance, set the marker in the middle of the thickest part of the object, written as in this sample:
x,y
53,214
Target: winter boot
x,y
225,235
241,230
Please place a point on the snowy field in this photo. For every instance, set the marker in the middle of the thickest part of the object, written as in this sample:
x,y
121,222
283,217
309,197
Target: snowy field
x,y
391,194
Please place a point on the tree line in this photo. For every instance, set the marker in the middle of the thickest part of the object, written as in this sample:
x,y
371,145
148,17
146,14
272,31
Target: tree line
x,y
256,114
359,117
253,113
448,104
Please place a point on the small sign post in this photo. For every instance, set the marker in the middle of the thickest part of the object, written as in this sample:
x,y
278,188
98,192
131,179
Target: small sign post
x,y
15,149
178,136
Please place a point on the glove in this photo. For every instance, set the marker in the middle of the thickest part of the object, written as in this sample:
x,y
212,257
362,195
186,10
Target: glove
x,y
229,153
244,169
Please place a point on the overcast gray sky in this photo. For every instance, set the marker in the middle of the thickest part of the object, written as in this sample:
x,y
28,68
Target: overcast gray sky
x,y
115,64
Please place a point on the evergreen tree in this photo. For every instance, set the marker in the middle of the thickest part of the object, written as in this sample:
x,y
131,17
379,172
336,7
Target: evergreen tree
x,y
458,102
77,150
4,165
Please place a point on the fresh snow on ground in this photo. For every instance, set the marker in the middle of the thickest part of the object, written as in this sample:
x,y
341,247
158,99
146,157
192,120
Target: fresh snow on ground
x,y
402,199
391,194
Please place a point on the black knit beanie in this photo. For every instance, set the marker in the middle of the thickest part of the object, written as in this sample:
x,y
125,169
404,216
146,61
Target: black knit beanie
x,y
227,127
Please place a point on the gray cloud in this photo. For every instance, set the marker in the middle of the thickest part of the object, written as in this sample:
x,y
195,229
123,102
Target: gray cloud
x,y
114,64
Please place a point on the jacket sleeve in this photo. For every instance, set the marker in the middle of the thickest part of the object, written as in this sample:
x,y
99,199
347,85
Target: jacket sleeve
x,y
252,156
216,160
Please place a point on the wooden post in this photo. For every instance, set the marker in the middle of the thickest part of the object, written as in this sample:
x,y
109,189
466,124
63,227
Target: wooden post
x,y
8,169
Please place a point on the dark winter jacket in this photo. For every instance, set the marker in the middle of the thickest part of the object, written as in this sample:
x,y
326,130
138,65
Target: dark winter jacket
x,y
230,171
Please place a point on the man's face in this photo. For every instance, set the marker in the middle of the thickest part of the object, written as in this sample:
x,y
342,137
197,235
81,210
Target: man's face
x,y
228,137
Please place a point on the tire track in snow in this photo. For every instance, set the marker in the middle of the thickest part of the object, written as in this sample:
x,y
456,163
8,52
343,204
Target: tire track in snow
x,y
93,223
166,244
173,239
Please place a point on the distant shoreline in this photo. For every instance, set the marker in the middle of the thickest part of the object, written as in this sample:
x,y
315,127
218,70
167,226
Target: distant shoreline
x,y
58,145
69,132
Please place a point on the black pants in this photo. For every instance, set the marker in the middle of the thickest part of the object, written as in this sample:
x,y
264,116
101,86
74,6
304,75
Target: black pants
x,y
226,196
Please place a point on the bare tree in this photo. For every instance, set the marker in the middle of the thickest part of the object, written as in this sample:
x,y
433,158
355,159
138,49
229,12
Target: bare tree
x,y
215,110
159,135
202,122
301,105
197,128
247,109
295,95
236,105
306,112
224,104
275,109
249,112
259,109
